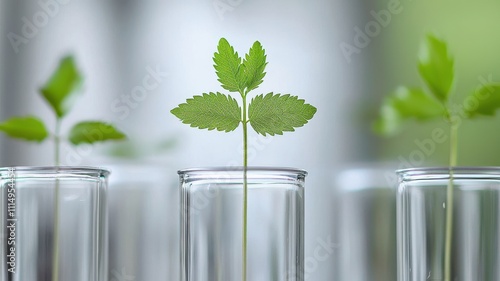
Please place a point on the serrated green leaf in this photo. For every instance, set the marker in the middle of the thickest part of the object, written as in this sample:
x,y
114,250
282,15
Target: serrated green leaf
x,y
94,131
228,67
484,101
62,87
253,66
26,128
405,104
274,114
435,65
210,111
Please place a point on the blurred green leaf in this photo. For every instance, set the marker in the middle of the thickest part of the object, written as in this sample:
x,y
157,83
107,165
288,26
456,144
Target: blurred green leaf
x,y
26,128
406,104
136,150
274,113
484,101
126,150
94,131
165,145
210,111
435,65
62,88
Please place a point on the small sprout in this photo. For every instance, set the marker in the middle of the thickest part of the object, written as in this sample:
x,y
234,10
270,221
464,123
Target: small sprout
x,y
267,114
60,92
270,114
436,68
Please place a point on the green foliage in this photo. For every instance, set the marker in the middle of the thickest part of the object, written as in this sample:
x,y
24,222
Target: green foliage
x,y
210,111
60,92
61,89
275,114
26,128
484,101
253,66
94,131
407,103
435,66
134,150
228,67
270,114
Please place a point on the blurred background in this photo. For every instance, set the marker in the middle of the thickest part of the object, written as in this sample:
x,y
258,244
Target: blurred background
x,y
341,56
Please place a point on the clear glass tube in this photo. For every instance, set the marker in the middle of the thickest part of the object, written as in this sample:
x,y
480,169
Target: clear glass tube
x,y
53,223
212,221
144,228
423,202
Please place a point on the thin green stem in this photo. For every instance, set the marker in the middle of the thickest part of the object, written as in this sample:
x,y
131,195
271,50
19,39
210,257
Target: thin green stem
x,y
245,188
57,141
449,202
55,247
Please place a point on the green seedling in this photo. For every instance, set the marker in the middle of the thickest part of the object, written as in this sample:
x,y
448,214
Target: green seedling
x,y
436,68
60,92
270,114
